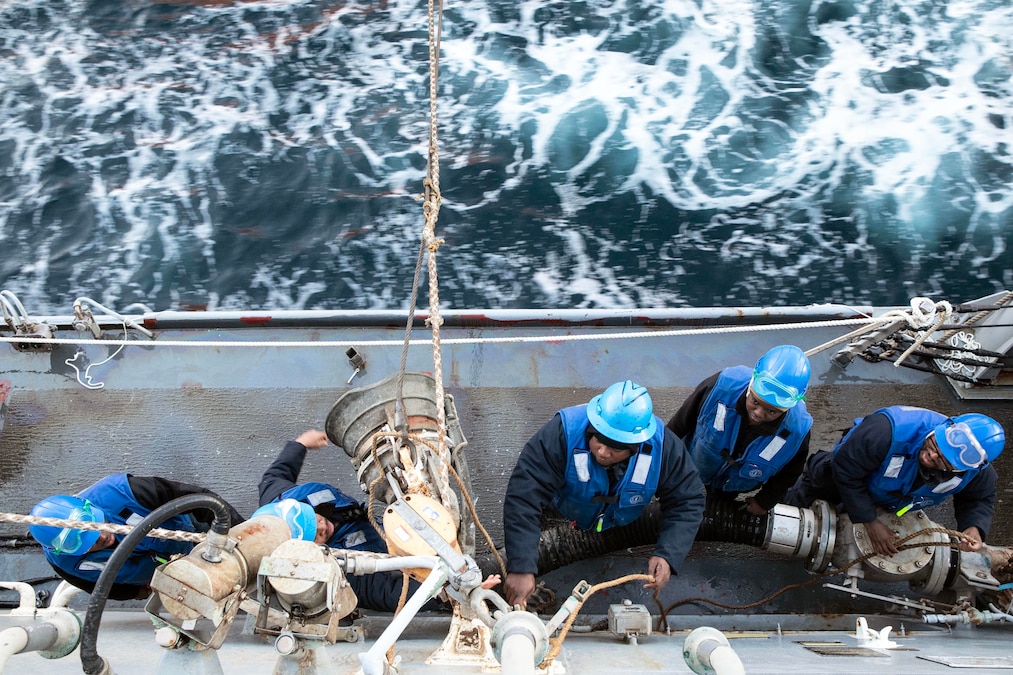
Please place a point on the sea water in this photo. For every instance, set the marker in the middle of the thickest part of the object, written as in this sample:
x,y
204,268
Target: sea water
x,y
269,154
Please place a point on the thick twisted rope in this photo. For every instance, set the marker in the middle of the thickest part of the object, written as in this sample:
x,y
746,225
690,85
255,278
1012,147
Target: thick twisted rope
x,y
431,210
922,314
157,533
1002,302
557,643
330,344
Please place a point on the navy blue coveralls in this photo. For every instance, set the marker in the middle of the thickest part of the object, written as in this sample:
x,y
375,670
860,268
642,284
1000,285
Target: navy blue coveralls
x,y
380,592
685,421
540,473
126,500
844,477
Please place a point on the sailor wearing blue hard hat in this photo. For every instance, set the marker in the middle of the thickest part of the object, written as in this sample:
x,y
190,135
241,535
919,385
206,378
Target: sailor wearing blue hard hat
x,y
304,523
903,458
747,429
340,521
79,556
599,465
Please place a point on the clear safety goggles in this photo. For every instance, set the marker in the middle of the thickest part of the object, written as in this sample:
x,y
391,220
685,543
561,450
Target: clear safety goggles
x,y
969,451
69,540
291,512
778,394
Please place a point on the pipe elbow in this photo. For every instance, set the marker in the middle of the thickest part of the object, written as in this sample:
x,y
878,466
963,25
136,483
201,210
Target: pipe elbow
x,y
725,661
707,650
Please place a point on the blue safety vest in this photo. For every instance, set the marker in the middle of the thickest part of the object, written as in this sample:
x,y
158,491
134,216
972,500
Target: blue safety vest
x,y
356,535
717,428
585,497
112,494
891,484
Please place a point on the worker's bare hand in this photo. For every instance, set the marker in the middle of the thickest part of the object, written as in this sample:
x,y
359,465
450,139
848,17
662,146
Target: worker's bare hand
x,y
883,539
658,568
754,507
312,439
518,587
971,541
492,581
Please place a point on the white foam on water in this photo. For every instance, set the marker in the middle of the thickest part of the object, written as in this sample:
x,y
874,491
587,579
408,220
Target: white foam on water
x,y
269,153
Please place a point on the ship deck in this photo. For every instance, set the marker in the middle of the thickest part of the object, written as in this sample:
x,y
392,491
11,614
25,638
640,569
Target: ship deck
x,y
768,644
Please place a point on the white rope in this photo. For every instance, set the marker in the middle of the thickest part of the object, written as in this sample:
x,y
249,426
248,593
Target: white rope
x,y
927,317
643,333
923,314
156,533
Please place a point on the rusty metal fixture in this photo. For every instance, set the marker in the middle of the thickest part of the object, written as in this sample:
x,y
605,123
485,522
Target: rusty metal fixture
x,y
191,587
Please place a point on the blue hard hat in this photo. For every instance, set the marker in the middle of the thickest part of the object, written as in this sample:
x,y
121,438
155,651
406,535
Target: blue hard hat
x,y
781,377
66,540
970,441
623,413
301,518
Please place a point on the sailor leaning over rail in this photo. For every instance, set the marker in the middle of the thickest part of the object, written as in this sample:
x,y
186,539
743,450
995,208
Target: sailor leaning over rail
x,y
599,465
748,428
904,458
79,556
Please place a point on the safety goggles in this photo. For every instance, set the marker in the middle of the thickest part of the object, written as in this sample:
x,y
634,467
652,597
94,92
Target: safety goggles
x,y
776,393
969,451
291,512
615,445
69,540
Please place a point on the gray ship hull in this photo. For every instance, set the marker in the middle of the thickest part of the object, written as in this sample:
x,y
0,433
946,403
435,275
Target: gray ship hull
x,y
212,399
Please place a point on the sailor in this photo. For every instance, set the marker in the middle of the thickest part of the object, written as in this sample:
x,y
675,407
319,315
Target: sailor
x,y
599,465
903,458
747,429
302,520
343,521
79,556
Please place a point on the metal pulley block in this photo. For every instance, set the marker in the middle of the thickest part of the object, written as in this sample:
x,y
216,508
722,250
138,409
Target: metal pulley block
x,y
422,526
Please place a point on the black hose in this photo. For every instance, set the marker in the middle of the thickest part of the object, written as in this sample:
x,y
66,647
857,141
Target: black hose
x,y
723,520
729,521
91,662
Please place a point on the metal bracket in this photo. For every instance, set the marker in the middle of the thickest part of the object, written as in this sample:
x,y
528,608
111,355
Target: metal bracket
x,y
853,590
358,363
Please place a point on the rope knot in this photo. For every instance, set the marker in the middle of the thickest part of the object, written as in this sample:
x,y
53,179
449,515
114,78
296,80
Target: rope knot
x,y
925,313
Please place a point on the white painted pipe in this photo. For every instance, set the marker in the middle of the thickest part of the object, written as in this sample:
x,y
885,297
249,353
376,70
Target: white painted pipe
x,y
63,594
370,565
517,656
706,649
725,661
372,661
12,641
